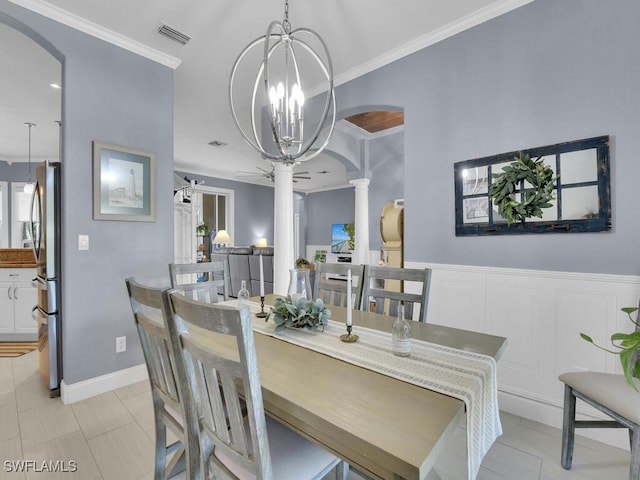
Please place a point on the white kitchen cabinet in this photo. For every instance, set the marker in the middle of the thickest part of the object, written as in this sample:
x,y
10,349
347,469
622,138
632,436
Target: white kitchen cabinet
x,y
17,298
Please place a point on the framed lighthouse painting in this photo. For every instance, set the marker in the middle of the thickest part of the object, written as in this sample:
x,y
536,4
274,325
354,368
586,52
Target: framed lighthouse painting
x,y
124,183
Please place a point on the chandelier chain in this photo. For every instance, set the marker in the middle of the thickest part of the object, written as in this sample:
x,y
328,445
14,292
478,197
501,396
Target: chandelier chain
x,y
285,22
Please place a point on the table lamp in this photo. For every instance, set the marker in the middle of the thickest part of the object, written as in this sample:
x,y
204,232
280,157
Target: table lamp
x,y
222,238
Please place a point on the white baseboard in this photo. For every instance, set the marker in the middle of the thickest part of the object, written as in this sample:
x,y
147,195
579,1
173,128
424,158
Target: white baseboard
x,y
75,392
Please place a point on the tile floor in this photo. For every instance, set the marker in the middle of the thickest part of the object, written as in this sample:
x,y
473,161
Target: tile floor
x,y
111,437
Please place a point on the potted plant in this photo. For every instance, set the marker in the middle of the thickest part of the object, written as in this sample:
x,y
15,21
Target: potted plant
x,y
627,345
202,228
304,263
298,313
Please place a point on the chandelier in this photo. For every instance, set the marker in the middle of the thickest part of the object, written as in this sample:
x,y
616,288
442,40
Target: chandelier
x,y
291,61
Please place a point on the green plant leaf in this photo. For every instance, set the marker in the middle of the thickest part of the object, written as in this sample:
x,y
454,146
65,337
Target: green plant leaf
x,y
586,337
626,356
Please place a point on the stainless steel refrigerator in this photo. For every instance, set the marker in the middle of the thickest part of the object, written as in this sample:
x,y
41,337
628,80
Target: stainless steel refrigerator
x,y
45,234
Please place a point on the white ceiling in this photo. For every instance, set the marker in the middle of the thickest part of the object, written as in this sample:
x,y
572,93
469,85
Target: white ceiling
x,y
361,35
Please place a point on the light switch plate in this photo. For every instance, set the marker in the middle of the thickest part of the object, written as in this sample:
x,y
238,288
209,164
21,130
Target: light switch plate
x,y
83,242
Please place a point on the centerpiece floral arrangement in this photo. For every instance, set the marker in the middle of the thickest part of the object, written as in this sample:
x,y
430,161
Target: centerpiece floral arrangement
x,y
298,313
627,345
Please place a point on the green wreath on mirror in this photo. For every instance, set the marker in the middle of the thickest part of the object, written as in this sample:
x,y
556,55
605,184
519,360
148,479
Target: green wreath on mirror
x,y
536,197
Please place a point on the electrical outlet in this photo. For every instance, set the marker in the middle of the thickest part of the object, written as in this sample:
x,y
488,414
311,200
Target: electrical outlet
x,y
121,344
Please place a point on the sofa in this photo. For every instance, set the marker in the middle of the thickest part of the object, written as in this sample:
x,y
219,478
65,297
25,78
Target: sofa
x,y
244,264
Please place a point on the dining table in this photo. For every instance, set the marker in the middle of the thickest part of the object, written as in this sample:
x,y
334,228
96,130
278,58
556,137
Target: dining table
x,y
385,427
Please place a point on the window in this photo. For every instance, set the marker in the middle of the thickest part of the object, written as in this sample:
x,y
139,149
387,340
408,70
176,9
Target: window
x,y
213,206
582,197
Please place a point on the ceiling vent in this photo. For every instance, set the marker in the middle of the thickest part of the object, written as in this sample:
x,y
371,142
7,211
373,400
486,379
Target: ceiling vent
x,y
173,34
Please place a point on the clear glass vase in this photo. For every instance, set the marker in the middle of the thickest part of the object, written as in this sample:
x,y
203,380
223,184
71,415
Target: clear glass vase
x,y
299,283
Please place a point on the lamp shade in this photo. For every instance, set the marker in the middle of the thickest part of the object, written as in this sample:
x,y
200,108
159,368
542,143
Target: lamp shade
x,y
222,237
262,242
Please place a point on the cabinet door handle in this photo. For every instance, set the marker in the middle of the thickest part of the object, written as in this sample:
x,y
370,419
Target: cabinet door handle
x,y
9,293
15,293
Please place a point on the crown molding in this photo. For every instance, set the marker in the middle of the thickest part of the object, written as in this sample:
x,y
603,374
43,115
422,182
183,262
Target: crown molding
x,y
78,23
485,14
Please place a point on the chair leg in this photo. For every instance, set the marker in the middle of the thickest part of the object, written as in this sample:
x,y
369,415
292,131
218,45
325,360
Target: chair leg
x,y
634,470
568,427
161,439
342,471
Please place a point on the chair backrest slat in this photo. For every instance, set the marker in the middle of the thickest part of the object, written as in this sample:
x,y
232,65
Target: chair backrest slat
x,y
387,301
204,282
218,362
331,287
146,304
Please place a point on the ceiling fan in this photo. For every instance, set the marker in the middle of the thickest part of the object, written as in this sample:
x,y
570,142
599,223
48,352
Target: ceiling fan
x,y
271,175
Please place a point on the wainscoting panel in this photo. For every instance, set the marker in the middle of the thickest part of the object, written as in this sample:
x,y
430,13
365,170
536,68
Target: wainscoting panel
x,y
513,312
468,311
542,314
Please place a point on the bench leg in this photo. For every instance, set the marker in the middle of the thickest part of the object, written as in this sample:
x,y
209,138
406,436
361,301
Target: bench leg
x,y
634,470
568,427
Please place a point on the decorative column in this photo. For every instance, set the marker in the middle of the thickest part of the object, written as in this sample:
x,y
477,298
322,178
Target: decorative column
x,y
283,251
361,253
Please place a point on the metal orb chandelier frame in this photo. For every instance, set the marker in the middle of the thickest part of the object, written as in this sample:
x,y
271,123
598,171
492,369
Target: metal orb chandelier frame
x,y
285,101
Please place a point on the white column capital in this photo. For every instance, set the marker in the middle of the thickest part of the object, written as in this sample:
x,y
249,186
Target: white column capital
x,y
360,182
284,168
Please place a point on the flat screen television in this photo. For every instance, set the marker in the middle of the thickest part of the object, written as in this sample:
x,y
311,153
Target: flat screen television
x,y
343,237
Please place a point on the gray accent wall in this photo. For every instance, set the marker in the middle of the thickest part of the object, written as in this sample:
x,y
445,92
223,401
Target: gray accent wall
x,y
325,209
112,95
548,72
253,208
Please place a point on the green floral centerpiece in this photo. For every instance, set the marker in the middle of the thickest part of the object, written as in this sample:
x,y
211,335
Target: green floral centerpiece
x,y
298,313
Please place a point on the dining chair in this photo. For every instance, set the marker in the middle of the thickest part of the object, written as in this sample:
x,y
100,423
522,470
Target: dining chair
x,y
331,287
204,281
386,286
169,400
221,363
612,395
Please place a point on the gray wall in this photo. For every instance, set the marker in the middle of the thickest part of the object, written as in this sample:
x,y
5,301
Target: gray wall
x,y
325,209
112,95
548,72
253,208
16,172
387,181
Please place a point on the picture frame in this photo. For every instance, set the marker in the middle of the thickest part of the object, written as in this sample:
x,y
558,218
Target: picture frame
x,y
124,183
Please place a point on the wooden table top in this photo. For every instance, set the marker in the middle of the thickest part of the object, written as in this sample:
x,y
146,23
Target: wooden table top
x,y
385,427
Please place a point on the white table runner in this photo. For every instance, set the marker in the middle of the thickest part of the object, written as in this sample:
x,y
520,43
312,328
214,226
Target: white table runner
x,y
467,376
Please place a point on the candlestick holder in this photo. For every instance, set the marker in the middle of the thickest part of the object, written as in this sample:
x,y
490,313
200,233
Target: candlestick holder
x,y
261,313
349,337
